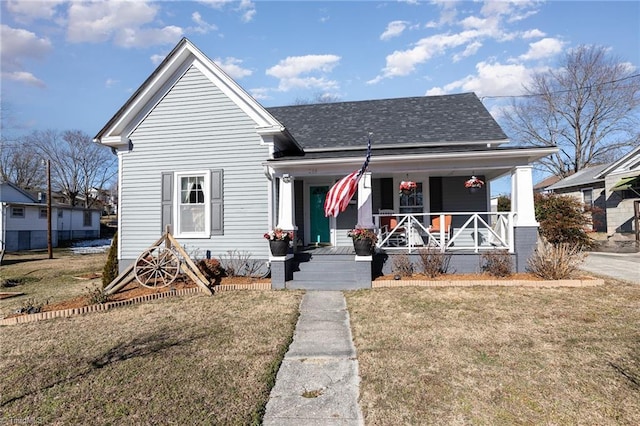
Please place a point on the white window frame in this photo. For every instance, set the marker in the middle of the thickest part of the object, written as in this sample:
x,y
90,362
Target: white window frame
x,y
590,190
206,174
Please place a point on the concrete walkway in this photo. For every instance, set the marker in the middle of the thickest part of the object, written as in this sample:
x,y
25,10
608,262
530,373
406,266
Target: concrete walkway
x,y
621,266
318,381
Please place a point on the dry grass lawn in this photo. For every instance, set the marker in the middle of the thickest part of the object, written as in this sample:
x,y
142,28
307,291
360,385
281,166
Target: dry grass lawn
x,y
191,360
486,355
45,280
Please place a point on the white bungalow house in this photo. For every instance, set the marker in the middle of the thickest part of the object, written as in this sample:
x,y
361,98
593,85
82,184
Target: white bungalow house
x,y
198,153
23,221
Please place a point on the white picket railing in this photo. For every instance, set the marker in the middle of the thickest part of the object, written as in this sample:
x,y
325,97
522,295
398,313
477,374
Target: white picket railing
x,y
469,231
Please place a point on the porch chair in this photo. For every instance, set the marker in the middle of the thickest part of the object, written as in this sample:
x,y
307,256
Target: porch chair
x,y
434,229
388,222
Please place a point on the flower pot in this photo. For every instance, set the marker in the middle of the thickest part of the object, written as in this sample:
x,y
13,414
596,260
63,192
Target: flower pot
x,y
474,189
279,247
363,247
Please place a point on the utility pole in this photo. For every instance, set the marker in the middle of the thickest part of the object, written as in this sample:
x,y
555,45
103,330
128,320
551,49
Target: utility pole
x,y
49,243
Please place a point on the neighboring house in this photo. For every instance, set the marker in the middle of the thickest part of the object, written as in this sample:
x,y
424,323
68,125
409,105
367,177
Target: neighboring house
x,y
613,188
198,154
588,189
542,187
23,221
622,184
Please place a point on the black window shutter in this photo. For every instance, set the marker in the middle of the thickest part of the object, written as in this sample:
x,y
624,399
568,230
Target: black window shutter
x,y
217,205
166,214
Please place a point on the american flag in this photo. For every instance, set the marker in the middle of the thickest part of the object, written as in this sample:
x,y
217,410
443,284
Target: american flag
x,y
341,193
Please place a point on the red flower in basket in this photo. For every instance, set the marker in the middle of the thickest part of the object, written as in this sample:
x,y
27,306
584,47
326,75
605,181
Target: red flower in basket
x,y
474,182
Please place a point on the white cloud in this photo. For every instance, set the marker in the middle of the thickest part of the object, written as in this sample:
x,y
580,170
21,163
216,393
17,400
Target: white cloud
x,y
492,79
18,45
29,10
544,48
290,71
24,77
471,49
202,27
232,67
248,10
110,82
394,29
404,62
260,93
122,22
157,58
216,4
535,33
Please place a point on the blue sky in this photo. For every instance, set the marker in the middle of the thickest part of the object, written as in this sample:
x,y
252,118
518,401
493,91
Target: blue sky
x,y
71,65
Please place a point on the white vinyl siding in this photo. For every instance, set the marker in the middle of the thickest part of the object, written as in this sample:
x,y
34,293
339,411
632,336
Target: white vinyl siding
x,y
196,127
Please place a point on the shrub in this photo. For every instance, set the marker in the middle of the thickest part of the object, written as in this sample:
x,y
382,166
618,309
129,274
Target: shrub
x,y
401,265
211,268
555,262
110,270
562,220
504,203
239,264
434,262
497,263
97,295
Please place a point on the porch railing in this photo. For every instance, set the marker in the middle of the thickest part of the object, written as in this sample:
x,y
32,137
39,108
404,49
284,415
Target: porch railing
x,y
469,231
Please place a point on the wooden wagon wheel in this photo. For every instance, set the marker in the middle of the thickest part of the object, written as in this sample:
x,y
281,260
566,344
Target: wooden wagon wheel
x,y
157,267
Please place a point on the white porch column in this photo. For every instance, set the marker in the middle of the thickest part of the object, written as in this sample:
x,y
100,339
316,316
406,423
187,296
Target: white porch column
x,y
522,196
365,209
286,204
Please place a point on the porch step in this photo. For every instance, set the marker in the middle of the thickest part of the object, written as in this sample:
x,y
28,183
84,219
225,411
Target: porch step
x,y
324,272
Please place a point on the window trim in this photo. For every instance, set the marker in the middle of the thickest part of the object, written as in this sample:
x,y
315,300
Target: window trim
x,y
206,175
18,216
87,214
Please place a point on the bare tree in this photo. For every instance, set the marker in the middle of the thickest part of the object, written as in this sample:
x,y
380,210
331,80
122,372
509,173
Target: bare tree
x,y
587,107
317,98
78,165
21,165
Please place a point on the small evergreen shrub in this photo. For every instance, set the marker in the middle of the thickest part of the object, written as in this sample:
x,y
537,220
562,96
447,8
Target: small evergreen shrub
x,y
401,265
434,262
555,262
563,220
504,203
497,263
110,270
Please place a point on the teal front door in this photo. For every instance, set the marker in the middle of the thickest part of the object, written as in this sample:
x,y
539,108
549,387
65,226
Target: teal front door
x,y
319,224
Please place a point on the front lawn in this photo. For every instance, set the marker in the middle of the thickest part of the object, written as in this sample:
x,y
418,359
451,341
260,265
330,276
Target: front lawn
x,y
188,360
489,355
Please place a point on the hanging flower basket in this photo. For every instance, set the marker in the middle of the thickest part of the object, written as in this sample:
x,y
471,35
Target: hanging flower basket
x,y
408,187
474,184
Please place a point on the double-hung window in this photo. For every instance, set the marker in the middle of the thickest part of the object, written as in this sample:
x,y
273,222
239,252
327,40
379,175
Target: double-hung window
x,y
193,209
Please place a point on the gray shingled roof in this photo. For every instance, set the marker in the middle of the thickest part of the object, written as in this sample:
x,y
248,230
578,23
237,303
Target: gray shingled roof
x,y
459,118
581,177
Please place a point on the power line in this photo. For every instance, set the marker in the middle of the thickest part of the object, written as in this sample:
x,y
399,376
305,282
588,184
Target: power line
x,y
482,98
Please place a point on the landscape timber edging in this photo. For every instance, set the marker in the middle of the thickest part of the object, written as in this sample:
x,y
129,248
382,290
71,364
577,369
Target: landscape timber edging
x,y
102,307
473,283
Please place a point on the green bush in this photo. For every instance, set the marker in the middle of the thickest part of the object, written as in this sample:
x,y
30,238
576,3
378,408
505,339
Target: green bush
x,y
110,270
504,203
563,220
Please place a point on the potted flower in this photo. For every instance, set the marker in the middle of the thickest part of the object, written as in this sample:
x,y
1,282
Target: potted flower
x,y
474,184
407,187
279,240
364,241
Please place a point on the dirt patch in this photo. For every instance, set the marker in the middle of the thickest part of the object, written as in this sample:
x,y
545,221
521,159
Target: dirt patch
x,y
133,290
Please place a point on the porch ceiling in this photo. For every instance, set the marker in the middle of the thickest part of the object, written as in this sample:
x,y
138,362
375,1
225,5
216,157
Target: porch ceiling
x,y
491,163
